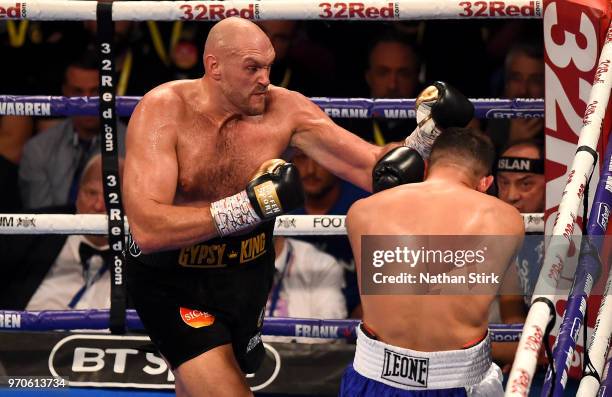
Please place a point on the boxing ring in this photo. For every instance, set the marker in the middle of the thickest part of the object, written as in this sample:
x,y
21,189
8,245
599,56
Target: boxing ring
x,y
94,354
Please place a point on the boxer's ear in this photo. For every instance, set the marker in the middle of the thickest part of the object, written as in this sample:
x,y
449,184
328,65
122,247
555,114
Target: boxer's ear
x,y
211,66
485,183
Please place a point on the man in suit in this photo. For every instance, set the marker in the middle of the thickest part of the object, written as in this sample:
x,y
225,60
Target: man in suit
x,y
52,162
59,272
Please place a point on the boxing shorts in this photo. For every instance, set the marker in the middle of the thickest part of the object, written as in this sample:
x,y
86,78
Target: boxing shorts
x,y
213,293
383,370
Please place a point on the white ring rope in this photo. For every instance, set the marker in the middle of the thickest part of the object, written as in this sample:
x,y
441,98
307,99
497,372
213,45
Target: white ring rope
x,y
373,10
287,225
556,253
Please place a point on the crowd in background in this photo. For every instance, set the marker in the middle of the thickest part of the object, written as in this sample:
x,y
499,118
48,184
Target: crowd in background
x,y
45,162
339,59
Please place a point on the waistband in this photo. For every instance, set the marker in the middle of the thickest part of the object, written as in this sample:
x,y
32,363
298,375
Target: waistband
x,y
221,253
414,370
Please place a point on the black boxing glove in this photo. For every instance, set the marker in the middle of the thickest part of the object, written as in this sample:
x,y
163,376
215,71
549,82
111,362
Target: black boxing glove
x,y
274,189
399,166
449,108
438,106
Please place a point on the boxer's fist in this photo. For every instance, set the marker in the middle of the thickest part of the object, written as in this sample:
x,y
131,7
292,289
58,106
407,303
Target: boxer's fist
x,y
438,106
401,165
445,105
275,189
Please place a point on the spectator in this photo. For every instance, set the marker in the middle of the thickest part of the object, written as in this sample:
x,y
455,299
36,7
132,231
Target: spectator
x,y
287,71
58,272
520,180
325,194
307,282
521,183
138,68
526,191
392,72
524,67
186,49
520,175
53,160
393,68
14,132
524,78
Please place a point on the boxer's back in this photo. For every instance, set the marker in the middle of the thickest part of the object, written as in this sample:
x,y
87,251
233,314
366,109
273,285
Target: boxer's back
x,y
423,321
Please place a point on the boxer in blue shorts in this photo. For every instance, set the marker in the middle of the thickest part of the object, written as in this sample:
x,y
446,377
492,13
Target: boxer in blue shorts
x,y
430,343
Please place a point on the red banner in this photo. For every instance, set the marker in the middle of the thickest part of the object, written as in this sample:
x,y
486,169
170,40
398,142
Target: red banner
x,y
574,33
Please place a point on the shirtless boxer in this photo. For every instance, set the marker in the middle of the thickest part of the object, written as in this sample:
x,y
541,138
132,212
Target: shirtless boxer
x,y
201,186
448,331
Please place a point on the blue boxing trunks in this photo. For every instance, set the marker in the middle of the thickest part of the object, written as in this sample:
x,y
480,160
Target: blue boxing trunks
x,y
383,370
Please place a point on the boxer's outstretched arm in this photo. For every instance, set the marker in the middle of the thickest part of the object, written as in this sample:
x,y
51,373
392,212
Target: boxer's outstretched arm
x,y
150,179
343,153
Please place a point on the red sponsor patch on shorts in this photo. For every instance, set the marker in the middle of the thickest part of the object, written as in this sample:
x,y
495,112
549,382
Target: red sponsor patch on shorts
x,y
196,318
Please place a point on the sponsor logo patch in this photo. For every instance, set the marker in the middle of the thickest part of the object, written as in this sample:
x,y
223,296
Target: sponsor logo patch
x,y
405,370
196,318
603,215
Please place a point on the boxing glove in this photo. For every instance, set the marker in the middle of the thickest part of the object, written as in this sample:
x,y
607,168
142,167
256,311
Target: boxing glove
x,y
445,105
273,190
399,166
438,106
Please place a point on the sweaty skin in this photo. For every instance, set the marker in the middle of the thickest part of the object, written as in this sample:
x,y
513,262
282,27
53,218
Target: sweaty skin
x,y
445,204
192,142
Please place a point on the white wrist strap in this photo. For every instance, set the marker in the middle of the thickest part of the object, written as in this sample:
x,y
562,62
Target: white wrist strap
x,y
234,213
423,137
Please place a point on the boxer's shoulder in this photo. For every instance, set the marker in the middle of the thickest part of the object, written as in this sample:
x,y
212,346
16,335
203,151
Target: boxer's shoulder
x,y
502,216
169,96
293,101
297,111
512,217
358,212
170,89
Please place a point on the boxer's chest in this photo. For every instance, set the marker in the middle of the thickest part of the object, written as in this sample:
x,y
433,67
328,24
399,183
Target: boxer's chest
x,y
217,163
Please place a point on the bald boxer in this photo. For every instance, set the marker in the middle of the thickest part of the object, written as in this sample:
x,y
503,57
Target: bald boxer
x,y
431,344
203,181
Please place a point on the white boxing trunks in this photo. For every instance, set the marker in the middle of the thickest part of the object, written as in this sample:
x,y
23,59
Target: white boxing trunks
x,y
384,370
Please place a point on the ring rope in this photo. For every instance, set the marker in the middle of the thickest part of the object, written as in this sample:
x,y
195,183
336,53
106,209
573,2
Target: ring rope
x,y
23,105
526,356
205,11
589,269
599,343
48,320
607,382
286,225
